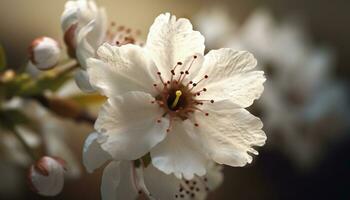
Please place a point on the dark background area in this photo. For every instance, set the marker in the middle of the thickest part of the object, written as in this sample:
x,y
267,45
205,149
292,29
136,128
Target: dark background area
x,y
271,175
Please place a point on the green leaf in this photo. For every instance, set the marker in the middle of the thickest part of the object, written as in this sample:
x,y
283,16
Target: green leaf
x,y
52,83
2,59
9,118
25,86
15,86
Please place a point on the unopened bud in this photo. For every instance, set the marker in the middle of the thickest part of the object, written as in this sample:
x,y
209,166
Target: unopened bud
x,y
69,40
44,53
46,177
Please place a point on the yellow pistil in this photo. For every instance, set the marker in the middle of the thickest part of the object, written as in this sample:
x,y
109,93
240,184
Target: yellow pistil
x,y
178,93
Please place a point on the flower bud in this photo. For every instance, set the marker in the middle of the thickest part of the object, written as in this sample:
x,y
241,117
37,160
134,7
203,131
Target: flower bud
x,y
44,53
46,177
69,40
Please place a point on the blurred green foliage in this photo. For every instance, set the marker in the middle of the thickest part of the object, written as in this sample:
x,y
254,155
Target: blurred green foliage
x,y
10,118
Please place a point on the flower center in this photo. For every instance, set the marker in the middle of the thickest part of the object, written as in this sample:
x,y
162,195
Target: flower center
x,y
175,100
178,98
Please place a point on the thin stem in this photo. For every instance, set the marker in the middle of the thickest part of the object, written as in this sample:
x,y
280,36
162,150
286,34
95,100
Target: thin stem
x,y
28,149
68,67
80,114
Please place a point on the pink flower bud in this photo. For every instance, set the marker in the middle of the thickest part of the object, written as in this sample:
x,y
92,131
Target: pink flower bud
x,y
44,53
69,39
46,177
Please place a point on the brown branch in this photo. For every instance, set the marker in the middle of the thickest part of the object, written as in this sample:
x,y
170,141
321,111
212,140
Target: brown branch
x,y
66,108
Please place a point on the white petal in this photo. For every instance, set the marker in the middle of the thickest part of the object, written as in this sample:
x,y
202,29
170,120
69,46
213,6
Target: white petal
x,y
162,186
122,69
69,15
81,13
47,177
117,182
214,176
230,77
84,50
93,155
179,154
229,133
97,36
82,80
130,124
170,41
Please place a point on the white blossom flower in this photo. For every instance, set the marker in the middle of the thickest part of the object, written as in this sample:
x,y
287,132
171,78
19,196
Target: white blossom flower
x,y
297,83
216,26
86,27
44,53
301,93
172,101
47,176
130,179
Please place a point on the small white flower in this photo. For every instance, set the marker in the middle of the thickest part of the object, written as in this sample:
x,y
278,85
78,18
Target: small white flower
x,y
44,53
86,27
77,15
130,179
47,176
172,101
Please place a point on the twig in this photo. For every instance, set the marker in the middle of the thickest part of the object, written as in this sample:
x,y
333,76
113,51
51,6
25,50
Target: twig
x,y
28,149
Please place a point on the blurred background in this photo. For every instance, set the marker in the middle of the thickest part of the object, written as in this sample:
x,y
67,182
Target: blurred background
x,y
303,46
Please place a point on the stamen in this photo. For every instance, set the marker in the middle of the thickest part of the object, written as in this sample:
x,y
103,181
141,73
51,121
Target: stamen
x,y
160,77
198,93
173,70
203,100
156,87
200,110
195,84
178,93
170,124
179,79
189,83
188,69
